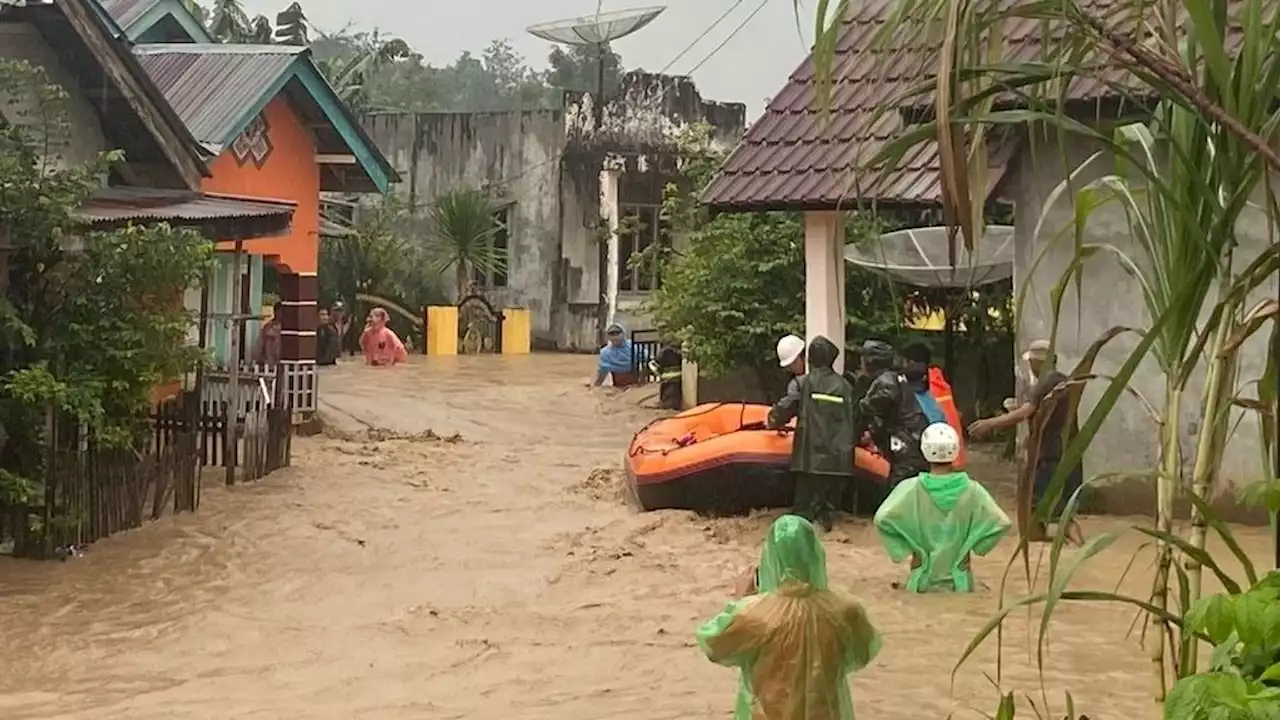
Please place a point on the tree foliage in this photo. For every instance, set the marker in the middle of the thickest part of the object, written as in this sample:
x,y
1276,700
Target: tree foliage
x,y
354,70
498,79
382,253
374,71
228,22
737,282
92,321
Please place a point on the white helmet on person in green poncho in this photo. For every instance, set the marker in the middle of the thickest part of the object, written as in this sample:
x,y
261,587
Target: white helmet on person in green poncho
x,y
940,444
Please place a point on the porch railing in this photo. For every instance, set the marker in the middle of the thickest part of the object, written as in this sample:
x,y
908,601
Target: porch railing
x,y
645,346
299,387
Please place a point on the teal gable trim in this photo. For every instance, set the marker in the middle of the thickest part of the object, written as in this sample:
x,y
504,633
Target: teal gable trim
x,y
369,157
113,27
139,28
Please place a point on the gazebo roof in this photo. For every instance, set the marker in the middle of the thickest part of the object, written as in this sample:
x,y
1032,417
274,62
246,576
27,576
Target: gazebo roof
x,y
798,157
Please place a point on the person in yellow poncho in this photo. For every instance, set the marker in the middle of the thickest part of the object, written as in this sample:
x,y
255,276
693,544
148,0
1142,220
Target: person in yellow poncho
x,y
793,640
940,518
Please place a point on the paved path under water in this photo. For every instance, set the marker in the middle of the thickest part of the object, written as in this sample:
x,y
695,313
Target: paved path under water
x,y
499,576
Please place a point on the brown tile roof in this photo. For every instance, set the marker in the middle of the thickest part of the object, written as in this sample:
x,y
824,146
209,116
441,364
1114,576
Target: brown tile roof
x,y
797,157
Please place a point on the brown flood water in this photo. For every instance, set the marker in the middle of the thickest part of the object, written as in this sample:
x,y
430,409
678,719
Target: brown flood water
x,y
500,576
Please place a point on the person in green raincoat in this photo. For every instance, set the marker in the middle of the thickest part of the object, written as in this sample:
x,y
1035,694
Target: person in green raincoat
x,y
940,518
794,641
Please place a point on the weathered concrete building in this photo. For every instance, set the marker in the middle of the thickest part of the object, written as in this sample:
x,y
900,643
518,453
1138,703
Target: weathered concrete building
x,y
563,185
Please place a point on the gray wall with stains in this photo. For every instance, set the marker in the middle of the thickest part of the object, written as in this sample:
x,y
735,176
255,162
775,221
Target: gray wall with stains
x,y
517,158
1110,297
546,165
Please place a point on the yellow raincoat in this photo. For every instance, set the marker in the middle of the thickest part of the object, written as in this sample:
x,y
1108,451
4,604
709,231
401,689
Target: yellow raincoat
x,y
795,642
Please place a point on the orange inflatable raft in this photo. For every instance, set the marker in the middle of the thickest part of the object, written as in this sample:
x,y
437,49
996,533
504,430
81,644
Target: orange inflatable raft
x,y
718,458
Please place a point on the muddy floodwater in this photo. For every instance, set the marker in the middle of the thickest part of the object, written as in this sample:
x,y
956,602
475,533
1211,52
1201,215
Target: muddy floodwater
x,y
472,557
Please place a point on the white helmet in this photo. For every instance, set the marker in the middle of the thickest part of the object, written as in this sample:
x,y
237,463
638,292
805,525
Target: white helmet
x,y
790,348
940,444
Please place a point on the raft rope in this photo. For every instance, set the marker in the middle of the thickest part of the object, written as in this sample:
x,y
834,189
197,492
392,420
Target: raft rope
x,y
741,426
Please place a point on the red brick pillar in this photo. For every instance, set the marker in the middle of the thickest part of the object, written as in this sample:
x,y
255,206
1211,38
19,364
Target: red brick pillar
x,y
298,318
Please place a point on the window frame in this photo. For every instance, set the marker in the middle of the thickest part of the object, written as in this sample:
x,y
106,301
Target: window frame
x,y
501,241
630,277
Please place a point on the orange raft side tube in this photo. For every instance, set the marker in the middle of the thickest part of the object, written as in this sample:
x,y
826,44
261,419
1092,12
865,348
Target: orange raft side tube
x,y
722,465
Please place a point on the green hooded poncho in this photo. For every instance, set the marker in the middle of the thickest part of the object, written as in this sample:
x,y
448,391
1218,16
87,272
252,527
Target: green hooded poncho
x,y
795,642
941,519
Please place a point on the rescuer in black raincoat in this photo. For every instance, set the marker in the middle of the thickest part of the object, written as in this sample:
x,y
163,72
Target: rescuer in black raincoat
x,y
822,451
890,412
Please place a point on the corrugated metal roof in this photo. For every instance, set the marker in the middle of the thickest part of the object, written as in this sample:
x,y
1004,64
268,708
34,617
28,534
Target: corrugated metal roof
x,y
794,156
117,204
127,12
212,86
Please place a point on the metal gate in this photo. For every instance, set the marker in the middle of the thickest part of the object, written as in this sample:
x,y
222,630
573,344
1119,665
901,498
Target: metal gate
x,y
479,326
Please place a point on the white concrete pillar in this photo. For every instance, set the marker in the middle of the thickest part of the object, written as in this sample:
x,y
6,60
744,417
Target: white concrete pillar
x,y
688,384
824,309
609,215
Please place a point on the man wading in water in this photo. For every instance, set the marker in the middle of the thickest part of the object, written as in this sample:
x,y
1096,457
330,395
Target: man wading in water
x,y
822,450
1041,361
890,412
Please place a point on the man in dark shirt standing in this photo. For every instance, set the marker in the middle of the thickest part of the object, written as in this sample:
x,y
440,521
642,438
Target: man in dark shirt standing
x,y
328,342
1047,378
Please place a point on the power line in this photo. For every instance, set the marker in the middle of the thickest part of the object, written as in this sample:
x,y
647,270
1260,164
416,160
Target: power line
x,y
731,36
698,39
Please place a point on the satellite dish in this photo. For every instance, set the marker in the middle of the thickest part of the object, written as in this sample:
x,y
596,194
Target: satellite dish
x,y
919,257
597,29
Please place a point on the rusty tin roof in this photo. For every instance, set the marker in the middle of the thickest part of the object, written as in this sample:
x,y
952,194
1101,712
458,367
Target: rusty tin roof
x,y
126,12
117,205
211,87
217,89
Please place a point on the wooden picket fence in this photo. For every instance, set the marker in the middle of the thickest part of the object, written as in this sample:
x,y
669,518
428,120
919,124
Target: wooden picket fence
x,y
92,491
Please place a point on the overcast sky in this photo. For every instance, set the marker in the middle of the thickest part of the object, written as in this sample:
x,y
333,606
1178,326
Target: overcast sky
x,y
750,68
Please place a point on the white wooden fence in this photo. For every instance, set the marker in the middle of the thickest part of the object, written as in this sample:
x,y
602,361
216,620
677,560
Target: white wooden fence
x,y
258,387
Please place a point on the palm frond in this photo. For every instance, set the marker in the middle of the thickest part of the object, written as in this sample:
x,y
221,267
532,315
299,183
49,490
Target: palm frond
x,y
462,229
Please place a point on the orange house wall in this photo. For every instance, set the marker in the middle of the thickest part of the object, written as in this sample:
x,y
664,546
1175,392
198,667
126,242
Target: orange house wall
x,y
290,173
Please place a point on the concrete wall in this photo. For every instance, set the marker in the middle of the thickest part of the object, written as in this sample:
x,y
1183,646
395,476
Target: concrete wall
x,y
517,157
1109,298
86,141
546,164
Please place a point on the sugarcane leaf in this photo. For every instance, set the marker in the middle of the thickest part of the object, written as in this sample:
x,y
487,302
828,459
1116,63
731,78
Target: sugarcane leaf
x,y
1061,576
1198,554
1006,709
1262,313
1214,521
